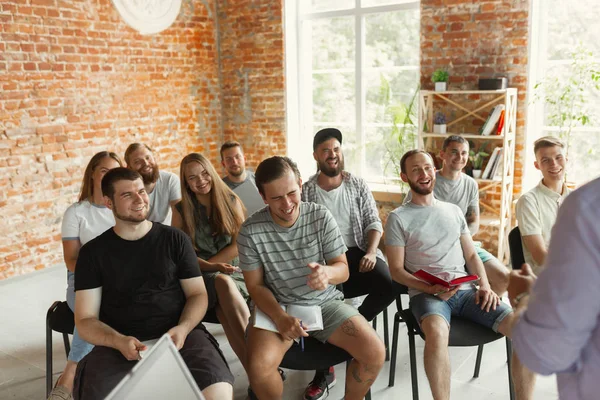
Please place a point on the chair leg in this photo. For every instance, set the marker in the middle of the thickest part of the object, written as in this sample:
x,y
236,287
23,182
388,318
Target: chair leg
x,y
48,358
394,349
511,384
368,395
386,334
375,323
67,344
413,364
478,361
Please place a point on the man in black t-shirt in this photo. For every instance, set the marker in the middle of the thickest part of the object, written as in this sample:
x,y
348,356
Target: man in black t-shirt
x,y
135,282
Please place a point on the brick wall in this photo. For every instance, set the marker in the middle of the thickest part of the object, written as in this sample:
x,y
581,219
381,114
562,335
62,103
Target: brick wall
x,y
252,76
473,39
74,80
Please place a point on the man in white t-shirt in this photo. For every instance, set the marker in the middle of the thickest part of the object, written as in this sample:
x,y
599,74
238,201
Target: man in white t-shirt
x,y
538,208
163,188
238,178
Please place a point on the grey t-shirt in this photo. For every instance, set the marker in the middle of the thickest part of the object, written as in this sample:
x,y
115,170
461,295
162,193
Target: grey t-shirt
x,y
463,192
166,190
430,236
285,252
247,192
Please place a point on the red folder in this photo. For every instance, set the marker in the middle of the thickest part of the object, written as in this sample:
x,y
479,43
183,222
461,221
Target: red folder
x,y
436,280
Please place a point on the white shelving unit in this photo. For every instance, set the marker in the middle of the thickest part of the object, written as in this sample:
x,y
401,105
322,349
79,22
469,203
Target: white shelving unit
x,y
462,102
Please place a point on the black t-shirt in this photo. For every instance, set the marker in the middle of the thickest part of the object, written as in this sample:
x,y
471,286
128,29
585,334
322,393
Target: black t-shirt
x,y
141,293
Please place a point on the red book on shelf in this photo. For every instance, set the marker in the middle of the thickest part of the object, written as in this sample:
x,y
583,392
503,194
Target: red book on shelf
x,y
436,280
500,124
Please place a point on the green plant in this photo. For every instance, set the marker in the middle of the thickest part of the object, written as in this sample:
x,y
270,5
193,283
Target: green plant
x,y
565,96
403,133
477,158
440,75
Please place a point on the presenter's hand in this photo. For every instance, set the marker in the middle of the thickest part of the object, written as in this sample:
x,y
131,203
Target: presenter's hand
x,y
130,347
521,281
290,328
318,278
178,335
226,268
486,298
367,263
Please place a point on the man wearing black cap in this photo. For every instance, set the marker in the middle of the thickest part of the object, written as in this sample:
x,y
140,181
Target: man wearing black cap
x,y
350,201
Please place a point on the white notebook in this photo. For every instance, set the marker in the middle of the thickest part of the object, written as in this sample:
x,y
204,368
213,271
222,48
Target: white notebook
x,y
311,317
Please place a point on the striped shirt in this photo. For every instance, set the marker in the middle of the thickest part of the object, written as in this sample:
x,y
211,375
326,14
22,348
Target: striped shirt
x,y
284,253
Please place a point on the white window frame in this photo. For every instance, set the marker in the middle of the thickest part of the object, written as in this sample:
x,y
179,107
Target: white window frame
x,y
298,121
538,65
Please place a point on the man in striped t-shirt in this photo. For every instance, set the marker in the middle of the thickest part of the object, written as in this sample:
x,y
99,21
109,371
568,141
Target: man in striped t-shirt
x,y
293,253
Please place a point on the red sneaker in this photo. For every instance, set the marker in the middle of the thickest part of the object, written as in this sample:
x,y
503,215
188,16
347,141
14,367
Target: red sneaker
x,y
320,385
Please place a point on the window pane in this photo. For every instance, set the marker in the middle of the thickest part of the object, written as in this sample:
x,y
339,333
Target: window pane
x,y
570,23
392,39
326,5
386,91
333,43
384,148
334,97
559,84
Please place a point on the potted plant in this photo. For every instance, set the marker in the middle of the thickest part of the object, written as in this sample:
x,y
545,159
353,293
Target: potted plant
x,y
440,78
477,161
439,123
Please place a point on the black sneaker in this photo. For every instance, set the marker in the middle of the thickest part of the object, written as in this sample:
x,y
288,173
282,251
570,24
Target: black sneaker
x,y
320,385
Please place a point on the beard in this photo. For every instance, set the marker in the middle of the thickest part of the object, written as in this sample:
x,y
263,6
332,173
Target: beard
x,y
422,191
150,177
129,218
237,173
331,171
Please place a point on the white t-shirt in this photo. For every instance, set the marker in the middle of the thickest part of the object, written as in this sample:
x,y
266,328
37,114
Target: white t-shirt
x,y
166,190
536,214
337,203
84,221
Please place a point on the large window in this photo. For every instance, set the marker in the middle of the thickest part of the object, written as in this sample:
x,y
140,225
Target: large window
x,y
564,52
353,65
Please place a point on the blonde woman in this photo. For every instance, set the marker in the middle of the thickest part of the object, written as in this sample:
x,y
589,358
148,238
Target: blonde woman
x,y
82,222
211,214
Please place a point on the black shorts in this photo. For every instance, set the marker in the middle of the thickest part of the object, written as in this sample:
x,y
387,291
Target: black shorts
x,y
103,368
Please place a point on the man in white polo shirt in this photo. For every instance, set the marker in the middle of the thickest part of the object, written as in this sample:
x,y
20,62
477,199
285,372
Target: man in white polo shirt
x,y
538,208
163,188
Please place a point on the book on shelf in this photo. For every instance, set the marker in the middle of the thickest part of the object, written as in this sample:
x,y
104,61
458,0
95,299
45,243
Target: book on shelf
x,y
501,123
499,166
311,317
444,279
489,168
492,120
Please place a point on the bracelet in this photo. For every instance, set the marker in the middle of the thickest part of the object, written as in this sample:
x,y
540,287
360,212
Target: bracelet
x,y
520,297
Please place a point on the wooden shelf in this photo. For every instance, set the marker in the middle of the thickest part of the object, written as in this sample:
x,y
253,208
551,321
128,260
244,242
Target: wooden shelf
x,y
465,135
459,101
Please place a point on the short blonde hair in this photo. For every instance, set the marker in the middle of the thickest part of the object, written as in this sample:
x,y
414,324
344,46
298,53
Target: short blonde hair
x,y
546,141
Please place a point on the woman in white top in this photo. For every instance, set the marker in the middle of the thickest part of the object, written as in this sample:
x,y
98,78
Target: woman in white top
x,y
82,222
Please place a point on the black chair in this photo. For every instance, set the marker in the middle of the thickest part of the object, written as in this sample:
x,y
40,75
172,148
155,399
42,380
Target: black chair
x,y
515,245
463,333
316,356
60,319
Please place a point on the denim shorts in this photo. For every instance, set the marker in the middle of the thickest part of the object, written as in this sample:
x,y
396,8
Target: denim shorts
x,y
462,304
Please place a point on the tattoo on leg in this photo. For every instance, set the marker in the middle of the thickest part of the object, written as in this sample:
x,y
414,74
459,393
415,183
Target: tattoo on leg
x,y
348,328
356,374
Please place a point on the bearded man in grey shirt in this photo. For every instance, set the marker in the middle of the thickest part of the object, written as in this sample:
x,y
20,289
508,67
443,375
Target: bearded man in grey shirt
x,y
454,186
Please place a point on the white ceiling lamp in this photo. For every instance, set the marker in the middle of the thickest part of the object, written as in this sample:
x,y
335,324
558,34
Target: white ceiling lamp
x,y
148,16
